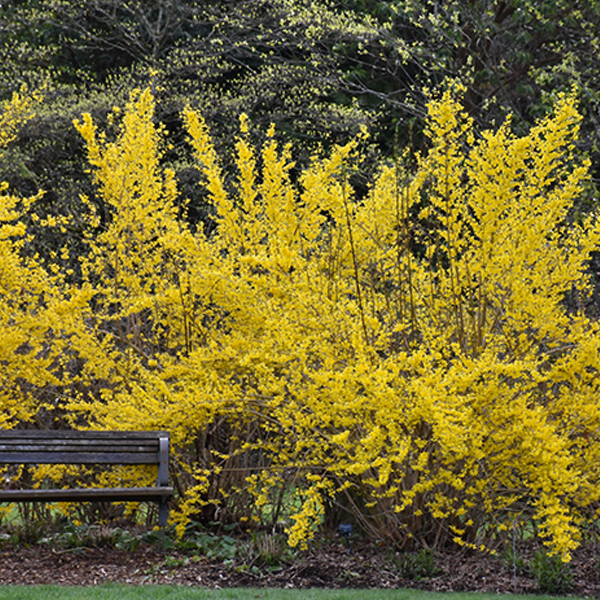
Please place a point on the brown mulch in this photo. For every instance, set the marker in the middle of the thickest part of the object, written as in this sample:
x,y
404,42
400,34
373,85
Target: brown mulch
x,y
366,566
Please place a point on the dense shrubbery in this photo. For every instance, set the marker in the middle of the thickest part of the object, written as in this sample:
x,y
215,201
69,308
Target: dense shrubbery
x,y
409,357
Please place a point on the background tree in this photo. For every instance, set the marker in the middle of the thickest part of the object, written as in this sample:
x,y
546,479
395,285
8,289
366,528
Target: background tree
x,y
316,68
513,56
273,60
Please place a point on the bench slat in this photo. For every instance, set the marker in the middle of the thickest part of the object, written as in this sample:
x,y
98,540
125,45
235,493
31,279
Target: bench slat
x,y
75,442
79,458
7,434
47,447
87,494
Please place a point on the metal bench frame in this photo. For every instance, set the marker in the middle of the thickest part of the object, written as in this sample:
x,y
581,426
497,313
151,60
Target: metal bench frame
x,y
28,447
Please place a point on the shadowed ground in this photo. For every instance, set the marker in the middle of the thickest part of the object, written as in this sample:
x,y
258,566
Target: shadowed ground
x,y
367,566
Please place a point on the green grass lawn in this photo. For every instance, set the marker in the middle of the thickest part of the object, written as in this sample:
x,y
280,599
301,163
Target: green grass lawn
x,y
161,592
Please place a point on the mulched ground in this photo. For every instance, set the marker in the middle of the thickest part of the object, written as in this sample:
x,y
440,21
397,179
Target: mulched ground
x,y
365,567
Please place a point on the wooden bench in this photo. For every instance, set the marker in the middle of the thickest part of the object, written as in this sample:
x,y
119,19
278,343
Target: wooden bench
x,y
29,447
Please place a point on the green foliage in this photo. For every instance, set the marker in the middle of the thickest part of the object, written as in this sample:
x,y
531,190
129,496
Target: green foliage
x,y
255,552
30,530
214,546
512,56
416,565
552,573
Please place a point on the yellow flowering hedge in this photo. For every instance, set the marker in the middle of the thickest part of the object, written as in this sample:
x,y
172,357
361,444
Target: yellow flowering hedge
x,y
409,354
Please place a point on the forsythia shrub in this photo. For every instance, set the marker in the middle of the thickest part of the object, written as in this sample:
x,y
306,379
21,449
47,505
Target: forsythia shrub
x,y
412,349
410,353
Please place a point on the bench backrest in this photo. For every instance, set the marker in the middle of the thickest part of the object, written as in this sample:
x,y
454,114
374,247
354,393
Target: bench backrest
x,y
87,447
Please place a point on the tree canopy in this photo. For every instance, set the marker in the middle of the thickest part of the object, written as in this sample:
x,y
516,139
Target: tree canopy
x,y
318,69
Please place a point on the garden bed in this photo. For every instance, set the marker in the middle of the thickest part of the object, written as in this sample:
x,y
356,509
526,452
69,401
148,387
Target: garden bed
x,y
327,565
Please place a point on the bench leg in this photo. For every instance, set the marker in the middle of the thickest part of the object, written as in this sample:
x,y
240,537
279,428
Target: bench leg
x,y
163,513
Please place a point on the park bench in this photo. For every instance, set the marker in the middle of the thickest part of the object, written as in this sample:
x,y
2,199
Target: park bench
x,y
33,447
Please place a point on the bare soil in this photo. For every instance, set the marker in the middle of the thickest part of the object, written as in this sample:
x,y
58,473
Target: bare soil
x,y
331,566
